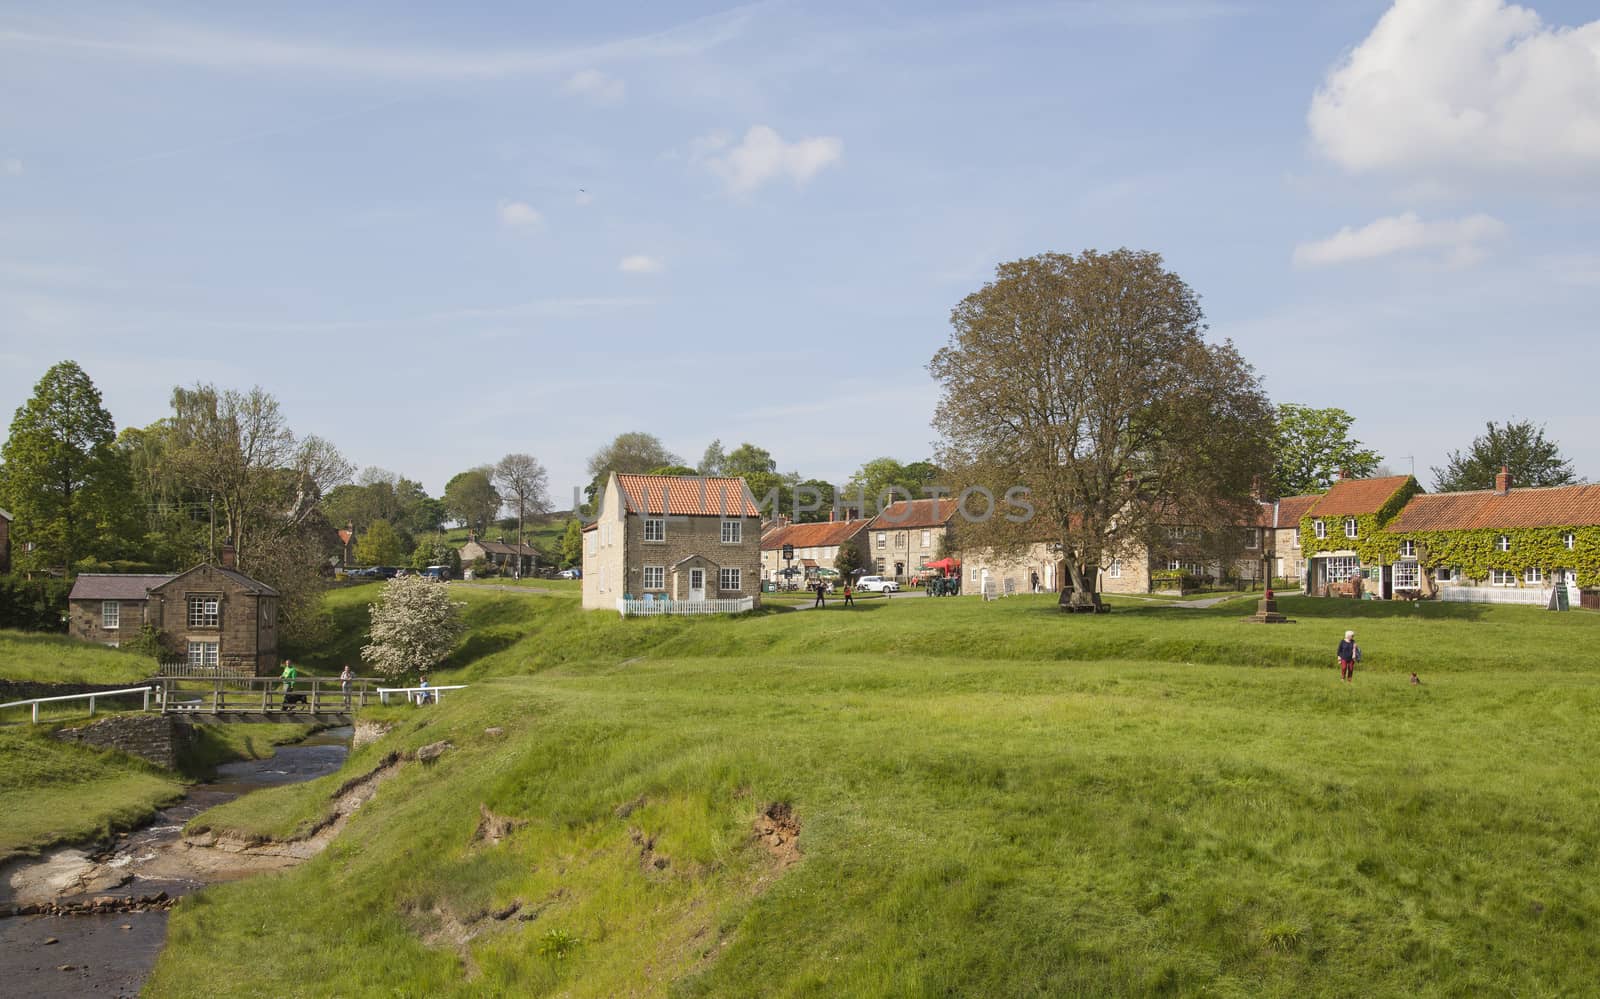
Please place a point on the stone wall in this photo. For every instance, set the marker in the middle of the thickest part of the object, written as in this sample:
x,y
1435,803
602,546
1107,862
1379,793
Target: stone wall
x,y
86,618
156,738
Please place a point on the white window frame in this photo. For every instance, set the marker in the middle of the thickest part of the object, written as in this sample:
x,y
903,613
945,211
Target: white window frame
x,y
202,653
1319,527
1570,540
1445,574
1252,539
1115,572
1407,576
592,541
655,529
111,615
209,614
1502,543
1295,543
1502,577
1408,548
658,573
883,540
927,539
1533,576
1342,567
732,532
1352,529
730,580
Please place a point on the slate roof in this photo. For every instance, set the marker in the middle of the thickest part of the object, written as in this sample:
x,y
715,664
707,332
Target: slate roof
x,y
687,496
1355,497
1551,506
821,535
907,514
115,585
501,548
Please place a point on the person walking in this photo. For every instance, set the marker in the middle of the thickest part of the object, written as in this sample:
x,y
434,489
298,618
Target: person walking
x,y
822,590
344,683
849,594
289,675
1349,653
1033,582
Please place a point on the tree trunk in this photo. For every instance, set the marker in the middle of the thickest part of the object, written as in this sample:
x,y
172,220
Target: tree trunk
x,y
1082,596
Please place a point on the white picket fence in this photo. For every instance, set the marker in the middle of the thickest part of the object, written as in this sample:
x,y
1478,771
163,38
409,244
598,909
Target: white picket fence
x,y
664,608
1538,596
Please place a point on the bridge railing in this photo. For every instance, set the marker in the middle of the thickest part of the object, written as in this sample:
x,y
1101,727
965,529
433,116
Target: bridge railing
x,y
421,695
264,694
33,703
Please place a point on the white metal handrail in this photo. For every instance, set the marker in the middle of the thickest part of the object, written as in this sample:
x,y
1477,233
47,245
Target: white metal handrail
x,y
384,692
36,701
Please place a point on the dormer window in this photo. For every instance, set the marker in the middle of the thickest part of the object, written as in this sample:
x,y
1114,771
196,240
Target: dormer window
x,y
1351,529
1320,529
1502,543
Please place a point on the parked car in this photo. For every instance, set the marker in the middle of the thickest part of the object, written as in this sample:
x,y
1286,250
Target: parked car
x,y
570,574
437,573
877,584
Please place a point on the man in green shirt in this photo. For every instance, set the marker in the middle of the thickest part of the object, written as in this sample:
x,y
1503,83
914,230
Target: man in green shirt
x,y
289,676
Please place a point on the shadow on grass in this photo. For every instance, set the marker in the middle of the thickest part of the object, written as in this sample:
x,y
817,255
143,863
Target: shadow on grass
x,y
480,645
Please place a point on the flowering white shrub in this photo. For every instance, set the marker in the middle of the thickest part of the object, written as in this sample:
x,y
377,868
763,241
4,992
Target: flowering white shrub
x,y
415,624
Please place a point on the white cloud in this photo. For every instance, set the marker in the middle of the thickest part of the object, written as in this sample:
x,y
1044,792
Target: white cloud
x,y
1466,86
640,264
764,156
1459,241
595,86
234,51
11,167
519,214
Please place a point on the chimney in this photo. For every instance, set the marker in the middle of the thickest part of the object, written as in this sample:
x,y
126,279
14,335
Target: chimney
x,y
229,558
1502,481
833,514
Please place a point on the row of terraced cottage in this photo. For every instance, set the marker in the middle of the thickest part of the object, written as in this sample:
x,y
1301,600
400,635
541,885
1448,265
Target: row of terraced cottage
x,y
702,540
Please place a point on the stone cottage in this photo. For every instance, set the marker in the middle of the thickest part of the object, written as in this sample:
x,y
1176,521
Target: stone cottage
x,y
909,534
511,559
210,617
815,546
669,537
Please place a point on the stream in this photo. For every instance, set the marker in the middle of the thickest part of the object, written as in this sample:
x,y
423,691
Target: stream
x,y
111,953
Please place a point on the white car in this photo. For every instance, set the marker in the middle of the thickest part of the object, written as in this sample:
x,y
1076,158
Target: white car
x,y
877,584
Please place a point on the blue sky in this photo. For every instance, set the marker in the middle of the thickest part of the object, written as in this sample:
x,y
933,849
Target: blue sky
x,y
439,236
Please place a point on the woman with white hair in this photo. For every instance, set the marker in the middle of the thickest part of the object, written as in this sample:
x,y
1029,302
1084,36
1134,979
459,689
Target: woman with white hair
x,y
1349,653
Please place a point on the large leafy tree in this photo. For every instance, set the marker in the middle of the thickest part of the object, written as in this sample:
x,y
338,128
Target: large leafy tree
x,y
524,484
266,485
1314,446
1088,380
882,481
63,477
635,452
572,544
711,461
817,493
470,498
1519,446
382,544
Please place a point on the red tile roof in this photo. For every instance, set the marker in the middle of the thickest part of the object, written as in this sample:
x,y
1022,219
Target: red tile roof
x,y
1292,508
915,513
687,496
1355,497
1554,506
822,535
115,585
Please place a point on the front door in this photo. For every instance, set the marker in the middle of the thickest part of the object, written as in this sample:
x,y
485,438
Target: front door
x,y
697,584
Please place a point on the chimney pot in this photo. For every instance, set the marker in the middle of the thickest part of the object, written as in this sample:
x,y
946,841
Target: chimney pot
x,y
1502,481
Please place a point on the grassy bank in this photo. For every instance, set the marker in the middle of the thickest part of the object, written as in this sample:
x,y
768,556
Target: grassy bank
x,y
43,658
992,800
51,792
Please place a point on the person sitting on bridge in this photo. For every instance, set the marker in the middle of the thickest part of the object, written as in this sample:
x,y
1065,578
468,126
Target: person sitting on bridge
x,y
422,690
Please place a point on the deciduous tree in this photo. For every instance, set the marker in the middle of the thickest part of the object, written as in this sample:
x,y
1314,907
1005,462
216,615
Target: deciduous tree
x,y
523,483
63,477
1088,380
470,498
636,452
1314,446
882,481
572,544
415,625
382,544
1519,446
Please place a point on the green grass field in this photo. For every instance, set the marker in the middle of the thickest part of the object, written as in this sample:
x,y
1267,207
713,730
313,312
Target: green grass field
x,y
58,659
993,800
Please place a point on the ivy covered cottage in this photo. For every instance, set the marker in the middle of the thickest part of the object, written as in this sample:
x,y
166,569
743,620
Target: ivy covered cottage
x,y
1500,545
668,544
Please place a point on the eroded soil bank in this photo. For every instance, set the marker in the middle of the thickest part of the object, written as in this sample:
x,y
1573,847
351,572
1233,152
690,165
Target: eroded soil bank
x,y
127,886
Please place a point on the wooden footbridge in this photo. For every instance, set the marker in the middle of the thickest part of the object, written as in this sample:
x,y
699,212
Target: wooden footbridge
x,y
327,700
